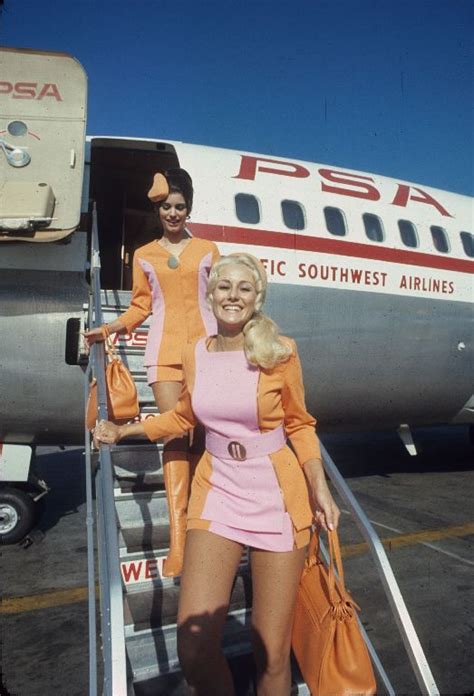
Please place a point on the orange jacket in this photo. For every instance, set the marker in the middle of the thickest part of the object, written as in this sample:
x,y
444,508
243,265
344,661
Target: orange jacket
x,y
176,298
280,400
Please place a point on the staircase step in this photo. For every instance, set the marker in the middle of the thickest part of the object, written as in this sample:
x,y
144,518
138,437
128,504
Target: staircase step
x,y
168,681
138,464
145,507
153,652
242,668
148,536
145,483
151,605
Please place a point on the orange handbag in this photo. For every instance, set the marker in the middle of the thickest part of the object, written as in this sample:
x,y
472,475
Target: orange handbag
x,y
326,639
122,397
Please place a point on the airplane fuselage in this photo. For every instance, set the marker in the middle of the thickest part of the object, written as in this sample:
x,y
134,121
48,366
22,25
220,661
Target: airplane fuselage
x,y
371,275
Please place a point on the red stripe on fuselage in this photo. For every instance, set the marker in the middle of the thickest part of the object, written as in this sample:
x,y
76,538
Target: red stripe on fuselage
x,y
299,242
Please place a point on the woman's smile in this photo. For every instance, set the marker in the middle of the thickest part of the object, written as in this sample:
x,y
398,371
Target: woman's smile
x,y
173,213
234,297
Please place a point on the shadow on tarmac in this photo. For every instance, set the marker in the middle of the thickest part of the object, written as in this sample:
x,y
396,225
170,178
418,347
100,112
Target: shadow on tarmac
x,y
383,453
64,473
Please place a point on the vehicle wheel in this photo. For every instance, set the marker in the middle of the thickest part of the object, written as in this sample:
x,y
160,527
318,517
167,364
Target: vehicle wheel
x,y
17,515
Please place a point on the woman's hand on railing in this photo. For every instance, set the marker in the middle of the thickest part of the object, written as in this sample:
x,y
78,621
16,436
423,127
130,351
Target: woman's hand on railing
x,y
94,336
108,433
101,333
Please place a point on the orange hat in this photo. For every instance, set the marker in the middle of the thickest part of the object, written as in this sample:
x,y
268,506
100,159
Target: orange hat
x,y
159,190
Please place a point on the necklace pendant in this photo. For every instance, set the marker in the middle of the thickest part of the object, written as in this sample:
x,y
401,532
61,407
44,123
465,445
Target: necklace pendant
x,y
173,262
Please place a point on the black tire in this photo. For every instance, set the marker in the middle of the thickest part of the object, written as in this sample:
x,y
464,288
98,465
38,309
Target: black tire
x,y
17,515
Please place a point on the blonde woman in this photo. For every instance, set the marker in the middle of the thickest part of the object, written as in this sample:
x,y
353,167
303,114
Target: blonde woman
x,y
250,489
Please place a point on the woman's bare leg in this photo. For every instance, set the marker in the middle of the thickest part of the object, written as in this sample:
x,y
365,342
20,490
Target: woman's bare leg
x,y
275,580
176,478
210,565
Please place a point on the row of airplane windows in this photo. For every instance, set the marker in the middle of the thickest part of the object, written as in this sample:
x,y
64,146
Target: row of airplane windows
x,y
247,209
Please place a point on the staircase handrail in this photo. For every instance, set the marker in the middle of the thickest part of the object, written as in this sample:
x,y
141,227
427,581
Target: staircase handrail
x,y
110,580
399,609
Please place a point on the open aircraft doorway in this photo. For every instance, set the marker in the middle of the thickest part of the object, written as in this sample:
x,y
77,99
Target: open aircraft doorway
x,y
121,174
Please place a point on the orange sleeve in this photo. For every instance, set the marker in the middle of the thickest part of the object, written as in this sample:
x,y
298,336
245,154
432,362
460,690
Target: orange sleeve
x,y
175,422
299,424
181,418
140,304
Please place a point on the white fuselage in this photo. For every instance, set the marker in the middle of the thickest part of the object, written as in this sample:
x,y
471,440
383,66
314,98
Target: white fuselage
x,y
371,275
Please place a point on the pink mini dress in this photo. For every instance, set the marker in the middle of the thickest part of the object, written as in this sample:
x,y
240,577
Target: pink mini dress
x,y
243,498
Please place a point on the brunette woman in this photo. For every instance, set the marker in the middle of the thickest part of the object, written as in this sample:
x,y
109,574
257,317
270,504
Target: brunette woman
x,y
170,277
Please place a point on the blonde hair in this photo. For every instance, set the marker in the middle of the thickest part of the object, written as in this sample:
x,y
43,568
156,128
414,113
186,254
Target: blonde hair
x,y
263,345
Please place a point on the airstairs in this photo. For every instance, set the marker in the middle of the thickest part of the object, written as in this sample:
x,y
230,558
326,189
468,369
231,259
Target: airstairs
x,y
149,600
128,535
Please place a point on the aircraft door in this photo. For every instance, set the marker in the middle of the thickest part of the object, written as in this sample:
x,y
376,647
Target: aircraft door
x,y
42,133
122,172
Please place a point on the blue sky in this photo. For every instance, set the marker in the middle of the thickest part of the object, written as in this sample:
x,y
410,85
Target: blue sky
x,y
375,85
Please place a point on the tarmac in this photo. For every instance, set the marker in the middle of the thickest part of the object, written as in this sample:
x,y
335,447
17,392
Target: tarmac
x,y
420,506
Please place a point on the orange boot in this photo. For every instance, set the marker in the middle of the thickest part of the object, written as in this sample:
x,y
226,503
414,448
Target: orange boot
x,y
176,478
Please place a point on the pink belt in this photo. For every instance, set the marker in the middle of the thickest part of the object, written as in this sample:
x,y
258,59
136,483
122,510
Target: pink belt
x,y
245,447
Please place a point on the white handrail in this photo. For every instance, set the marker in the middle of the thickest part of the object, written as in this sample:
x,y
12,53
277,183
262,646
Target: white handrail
x,y
404,623
110,580
90,553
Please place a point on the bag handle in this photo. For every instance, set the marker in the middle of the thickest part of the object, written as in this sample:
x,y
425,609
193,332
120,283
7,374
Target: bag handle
x,y
314,549
336,559
111,350
337,590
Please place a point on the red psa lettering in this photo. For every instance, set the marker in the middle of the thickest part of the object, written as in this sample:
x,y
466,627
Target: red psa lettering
x,y
250,165
402,197
50,90
139,338
25,90
125,337
5,87
355,180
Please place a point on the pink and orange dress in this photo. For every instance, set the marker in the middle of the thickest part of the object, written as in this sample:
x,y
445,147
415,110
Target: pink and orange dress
x,y
249,486
173,291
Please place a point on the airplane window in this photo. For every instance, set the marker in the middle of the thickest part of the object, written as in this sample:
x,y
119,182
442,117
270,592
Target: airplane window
x,y
467,239
335,223
440,239
247,208
408,233
373,227
293,215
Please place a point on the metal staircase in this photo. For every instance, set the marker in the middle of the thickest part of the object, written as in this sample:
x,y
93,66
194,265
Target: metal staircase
x,y
137,655
150,601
